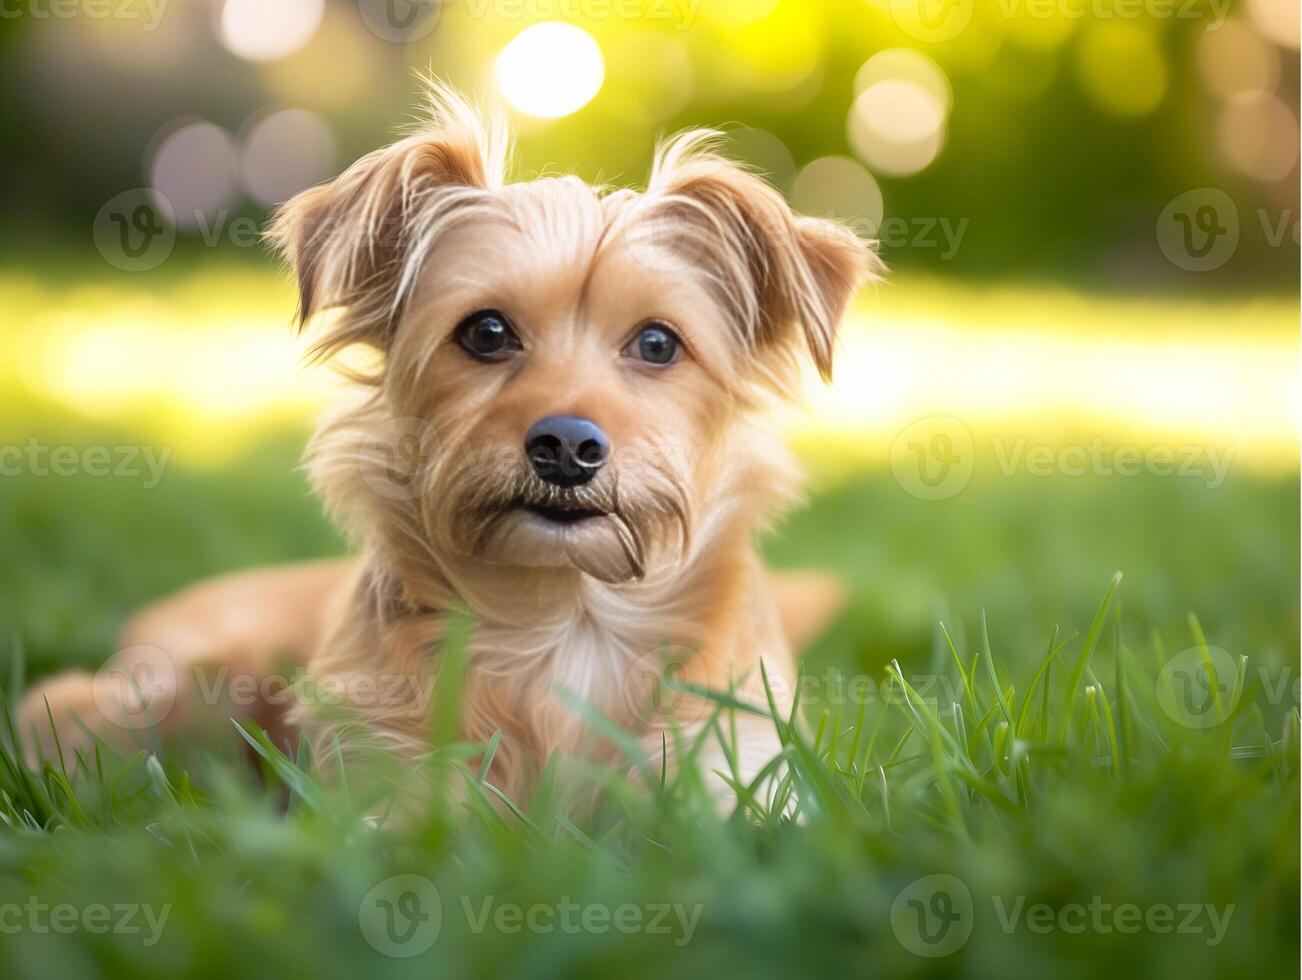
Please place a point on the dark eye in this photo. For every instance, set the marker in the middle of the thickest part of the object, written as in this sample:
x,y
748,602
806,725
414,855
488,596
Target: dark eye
x,y
487,335
655,344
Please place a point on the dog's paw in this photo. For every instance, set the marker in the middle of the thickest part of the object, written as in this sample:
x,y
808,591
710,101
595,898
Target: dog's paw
x,y
124,704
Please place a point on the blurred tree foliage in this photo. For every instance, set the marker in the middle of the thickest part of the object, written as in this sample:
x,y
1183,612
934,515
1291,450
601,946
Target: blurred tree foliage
x,y
1073,122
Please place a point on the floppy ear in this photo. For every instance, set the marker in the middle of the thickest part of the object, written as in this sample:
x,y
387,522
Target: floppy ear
x,y
351,242
801,271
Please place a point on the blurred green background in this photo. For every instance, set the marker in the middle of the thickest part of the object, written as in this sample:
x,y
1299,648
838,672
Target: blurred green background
x,y
1084,360
1058,130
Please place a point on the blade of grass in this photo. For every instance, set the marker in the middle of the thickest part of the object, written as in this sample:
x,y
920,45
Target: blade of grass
x,y
1082,662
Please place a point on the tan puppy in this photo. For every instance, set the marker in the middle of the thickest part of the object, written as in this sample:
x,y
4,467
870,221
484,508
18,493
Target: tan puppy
x,y
564,434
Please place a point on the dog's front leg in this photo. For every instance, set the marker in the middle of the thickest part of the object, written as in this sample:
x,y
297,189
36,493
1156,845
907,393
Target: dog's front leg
x,y
227,648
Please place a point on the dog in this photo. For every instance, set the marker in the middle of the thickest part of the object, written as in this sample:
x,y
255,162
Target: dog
x,y
561,425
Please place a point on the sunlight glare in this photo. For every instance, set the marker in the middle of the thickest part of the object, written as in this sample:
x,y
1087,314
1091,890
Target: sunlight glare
x,y
550,70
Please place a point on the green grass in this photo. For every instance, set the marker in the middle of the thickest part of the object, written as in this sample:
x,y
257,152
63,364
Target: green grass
x,y
1029,777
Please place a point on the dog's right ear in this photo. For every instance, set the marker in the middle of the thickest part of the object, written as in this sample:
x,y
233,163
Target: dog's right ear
x,y
351,243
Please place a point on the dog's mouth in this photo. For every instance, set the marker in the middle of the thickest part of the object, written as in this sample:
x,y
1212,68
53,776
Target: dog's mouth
x,y
561,512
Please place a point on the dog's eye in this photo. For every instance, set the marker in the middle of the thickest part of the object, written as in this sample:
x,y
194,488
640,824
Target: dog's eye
x,y
486,335
655,344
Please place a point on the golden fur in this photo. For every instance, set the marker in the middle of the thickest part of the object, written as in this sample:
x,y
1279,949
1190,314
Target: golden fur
x,y
425,471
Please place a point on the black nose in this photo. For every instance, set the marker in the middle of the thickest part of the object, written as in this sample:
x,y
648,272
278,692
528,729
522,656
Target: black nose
x,y
565,450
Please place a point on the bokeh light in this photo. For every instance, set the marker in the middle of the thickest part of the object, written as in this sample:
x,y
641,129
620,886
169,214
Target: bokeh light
x,y
550,70
782,49
913,66
763,152
1277,20
193,166
284,152
897,121
354,61
264,30
1122,68
896,126
837,187
1257,135
1233,59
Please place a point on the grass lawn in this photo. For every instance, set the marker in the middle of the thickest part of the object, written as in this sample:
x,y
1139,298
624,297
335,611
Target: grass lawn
x,y
1057,805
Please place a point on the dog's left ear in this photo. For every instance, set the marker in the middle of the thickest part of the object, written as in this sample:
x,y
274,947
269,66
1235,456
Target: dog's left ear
x,y
802,272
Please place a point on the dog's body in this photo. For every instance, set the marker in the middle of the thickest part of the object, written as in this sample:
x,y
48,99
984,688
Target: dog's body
x,y
565,436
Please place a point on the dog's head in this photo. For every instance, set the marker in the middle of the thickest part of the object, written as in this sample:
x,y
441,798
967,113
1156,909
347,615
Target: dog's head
x,y
569,375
